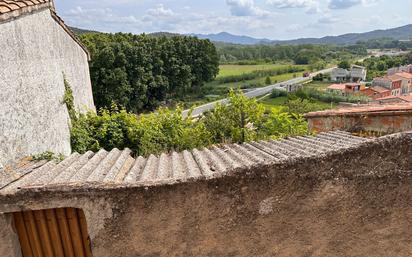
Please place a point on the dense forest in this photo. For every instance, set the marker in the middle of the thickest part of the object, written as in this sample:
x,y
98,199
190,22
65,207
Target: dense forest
x,y
299,54
138,72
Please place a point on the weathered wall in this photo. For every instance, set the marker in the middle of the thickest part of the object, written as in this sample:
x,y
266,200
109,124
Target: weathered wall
x,y
384,122
354,203
35,51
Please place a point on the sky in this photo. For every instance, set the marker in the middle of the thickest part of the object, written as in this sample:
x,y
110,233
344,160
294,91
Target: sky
x,y
272,19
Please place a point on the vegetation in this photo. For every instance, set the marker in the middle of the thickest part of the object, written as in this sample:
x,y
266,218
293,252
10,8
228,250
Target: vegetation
x,y
299,54
48,156
139,72
377,66
242,120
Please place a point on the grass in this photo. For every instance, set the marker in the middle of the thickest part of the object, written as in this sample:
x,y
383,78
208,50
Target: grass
x,y
280,102
232,69
318,85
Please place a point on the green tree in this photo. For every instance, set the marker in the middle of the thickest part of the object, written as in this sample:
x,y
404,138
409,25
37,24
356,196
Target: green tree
x,y
344,64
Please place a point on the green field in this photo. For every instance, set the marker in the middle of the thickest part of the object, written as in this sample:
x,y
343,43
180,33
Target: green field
x,y
231,69
280,102
318,85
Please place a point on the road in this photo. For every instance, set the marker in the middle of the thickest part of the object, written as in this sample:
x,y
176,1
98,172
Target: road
x,y
255,93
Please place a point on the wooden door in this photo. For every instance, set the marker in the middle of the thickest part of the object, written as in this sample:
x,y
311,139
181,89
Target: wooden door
x,y
53,233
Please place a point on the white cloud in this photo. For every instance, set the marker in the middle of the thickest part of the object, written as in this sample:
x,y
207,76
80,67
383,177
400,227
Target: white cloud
x,y
160,11
311,6
245,8
345,4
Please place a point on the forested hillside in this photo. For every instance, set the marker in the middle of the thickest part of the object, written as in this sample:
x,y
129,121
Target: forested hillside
x,y
138,72
299,54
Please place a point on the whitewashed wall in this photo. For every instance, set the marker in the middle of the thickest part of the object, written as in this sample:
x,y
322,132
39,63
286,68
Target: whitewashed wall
x,y
35,51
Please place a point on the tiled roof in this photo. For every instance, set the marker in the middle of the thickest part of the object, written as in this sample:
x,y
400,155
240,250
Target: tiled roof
x,y
337,86
404,75
379,89
117,168
7,6
14,8
405,98
400,107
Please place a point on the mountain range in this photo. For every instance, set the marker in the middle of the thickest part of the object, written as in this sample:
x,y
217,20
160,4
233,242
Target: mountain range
x,y
400,33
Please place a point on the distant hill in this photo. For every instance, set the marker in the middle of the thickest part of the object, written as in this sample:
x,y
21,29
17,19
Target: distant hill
x,y
81,31
400,33
225,37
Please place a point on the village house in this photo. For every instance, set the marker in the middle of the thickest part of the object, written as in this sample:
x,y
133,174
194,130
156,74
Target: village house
x,y
406,78
345,89
356,74
404,68
390,82
38,52
375,92
395,99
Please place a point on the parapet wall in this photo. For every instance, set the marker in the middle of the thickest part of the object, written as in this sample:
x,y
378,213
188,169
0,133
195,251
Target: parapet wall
x,y
351,203
385,121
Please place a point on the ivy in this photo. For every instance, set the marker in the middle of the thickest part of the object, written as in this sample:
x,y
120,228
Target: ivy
x,y
68,99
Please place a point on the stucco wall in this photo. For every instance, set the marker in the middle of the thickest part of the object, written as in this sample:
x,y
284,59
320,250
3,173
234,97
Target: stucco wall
x,y
384,122
354,203
35,51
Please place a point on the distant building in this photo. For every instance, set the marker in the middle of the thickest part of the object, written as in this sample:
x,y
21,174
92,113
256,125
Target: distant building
x,y
406,78
389,82
376,92
405,68
37,50
339,75
356,74
395,99
345,89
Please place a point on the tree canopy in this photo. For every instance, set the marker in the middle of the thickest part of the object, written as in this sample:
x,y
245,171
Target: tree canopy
x,y
139,71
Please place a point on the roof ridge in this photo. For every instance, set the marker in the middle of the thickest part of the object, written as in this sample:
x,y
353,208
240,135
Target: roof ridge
x,y
118,168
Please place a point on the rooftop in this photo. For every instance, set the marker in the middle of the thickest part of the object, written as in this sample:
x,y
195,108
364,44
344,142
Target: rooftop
x,y
337,87
12,9
404,75
379,89
117,168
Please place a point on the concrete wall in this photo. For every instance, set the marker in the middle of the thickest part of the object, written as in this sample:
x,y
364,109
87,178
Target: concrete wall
x,y
354,203
35,51
383,122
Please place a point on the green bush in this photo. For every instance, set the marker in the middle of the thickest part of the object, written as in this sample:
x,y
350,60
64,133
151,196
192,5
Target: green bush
x,y
242,120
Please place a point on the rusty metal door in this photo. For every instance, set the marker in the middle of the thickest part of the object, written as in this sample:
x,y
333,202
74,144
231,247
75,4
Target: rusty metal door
x,y
53,233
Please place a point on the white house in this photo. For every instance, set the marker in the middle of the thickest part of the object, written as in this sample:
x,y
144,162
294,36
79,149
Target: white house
x,y
358,73
339,75
37,50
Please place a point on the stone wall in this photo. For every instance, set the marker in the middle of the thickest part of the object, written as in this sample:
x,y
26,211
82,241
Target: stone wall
x,y
35,52
354,203
384,122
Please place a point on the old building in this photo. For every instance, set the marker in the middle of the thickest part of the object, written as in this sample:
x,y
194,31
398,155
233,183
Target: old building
x,y
358,73
345,89
355,74
393,83
375,92
406,79
37,50
335,194
385,119
339,75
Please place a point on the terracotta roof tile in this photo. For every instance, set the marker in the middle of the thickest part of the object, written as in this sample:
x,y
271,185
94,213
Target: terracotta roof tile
x,y
13,5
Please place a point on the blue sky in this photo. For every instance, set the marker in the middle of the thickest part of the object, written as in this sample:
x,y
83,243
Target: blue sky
x,y
273,19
